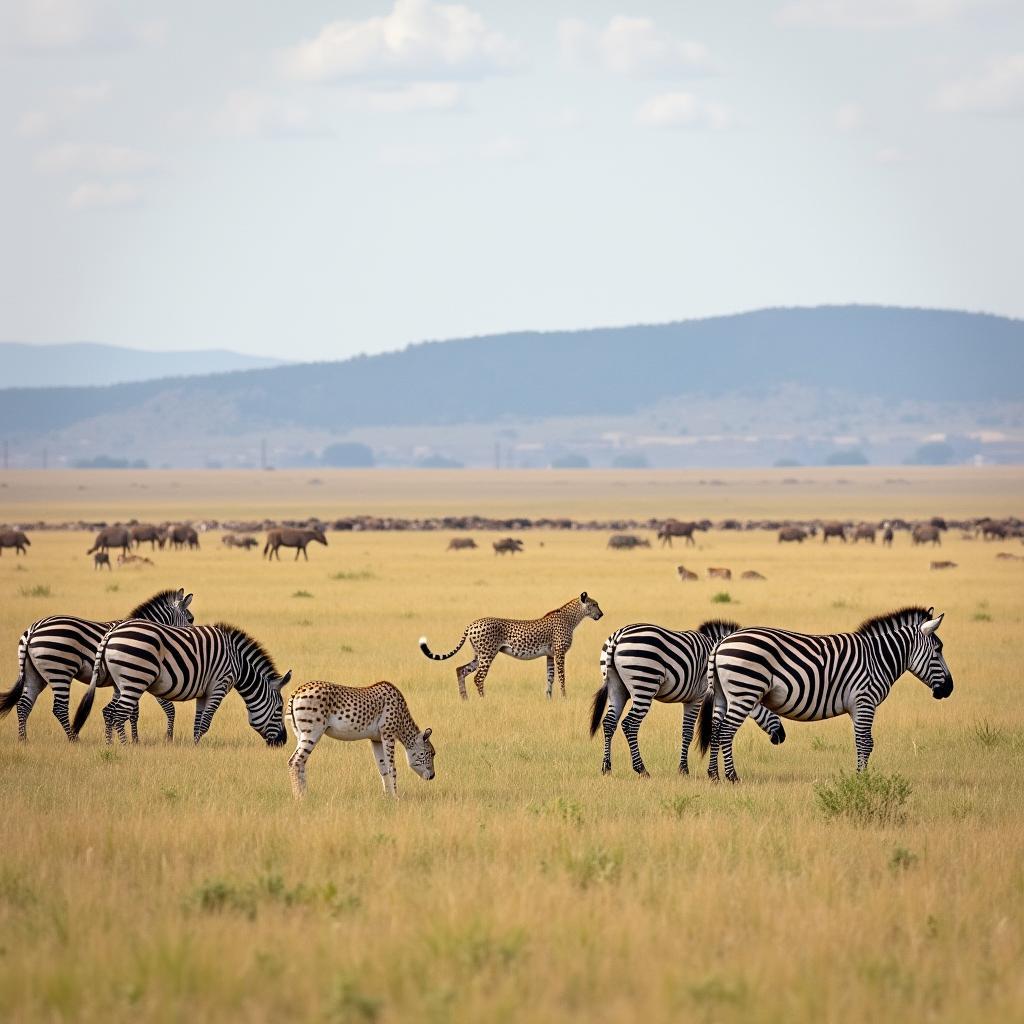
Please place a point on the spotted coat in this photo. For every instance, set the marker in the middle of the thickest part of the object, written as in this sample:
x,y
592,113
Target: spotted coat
x,y
548,637
377,713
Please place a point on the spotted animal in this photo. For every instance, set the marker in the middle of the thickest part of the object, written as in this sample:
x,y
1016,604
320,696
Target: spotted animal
x,y
685,574
719,573
377,713
525,639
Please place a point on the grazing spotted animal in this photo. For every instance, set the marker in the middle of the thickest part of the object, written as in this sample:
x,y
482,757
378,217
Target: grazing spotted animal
x,y
376,713
290,538
751,574
461,544
685,574
100,559
14,539
718,573
525,639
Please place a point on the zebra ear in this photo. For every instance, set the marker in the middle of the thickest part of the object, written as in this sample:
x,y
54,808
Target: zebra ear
x,y
187,601
180,594
931,625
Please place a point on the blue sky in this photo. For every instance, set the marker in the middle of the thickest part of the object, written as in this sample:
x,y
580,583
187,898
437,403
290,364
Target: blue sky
x,y
317,180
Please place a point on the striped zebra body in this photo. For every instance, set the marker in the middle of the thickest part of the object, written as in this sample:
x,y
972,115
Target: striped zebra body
x,y
55,650
201,663
644,663
810,678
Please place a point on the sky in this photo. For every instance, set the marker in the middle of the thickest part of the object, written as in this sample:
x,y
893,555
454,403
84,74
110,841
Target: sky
x,y
319,180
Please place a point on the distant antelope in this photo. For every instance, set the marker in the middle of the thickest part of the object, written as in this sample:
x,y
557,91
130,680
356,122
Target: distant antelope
x,y
291,538
716,573
14,539
376,713
685,574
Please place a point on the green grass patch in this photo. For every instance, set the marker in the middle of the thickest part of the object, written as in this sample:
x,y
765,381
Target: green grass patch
x,y
39,590
865,798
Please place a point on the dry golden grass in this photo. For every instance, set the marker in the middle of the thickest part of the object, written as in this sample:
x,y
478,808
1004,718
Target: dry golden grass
x,y
171,884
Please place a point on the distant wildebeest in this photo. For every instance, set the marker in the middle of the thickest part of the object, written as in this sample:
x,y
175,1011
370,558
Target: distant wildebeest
x,y
994,531
292,538
14,539
112,537
751,574
509,545
833,529
461,544
926,534
626,541
182,536
792,533
864,532
887,536
674,528
685,574
943,565
100,559
938,522
718,573
147,531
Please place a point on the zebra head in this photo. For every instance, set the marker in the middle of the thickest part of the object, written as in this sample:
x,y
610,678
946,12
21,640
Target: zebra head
x,y
591,609
259,685
420,753
169,607
926,660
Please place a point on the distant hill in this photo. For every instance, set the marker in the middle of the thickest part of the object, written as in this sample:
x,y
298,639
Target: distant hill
x,y
892,356
89,364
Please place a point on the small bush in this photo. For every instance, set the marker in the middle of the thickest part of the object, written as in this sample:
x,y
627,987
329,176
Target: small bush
x,y
865,798
37,591
902,859
302,593
722,597
981,617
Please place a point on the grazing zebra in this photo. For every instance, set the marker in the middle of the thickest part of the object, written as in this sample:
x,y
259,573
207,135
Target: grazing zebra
x,y
810,678
547,637
644,662
289,538
59,648
376,713
201,663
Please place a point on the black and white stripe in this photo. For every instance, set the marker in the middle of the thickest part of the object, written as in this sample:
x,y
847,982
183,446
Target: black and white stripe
x,y
644,662
201,663
810,678
55,650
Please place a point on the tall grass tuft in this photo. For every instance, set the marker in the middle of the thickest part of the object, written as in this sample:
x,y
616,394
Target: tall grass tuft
x,y
865,798
39,590
987,735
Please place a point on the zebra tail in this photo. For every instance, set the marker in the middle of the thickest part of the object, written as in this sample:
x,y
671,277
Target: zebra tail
x,y
597,711
707,708
82,713
9,699
443,657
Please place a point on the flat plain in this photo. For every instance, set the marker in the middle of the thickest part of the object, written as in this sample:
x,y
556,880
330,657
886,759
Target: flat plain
x,y
185,884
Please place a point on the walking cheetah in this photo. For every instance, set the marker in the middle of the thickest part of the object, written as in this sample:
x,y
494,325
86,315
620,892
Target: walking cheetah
x,y
548,637
377,713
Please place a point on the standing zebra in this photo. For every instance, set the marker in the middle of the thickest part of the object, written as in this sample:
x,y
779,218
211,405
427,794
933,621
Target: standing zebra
x,y
201,664
59,648
646,662
810,678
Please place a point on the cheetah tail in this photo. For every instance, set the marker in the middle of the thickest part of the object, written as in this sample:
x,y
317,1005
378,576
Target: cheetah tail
x,y
597,712
443,657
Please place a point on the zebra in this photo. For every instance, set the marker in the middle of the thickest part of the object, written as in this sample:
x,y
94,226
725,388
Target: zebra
x,y
810,678
59,648
201,663
647,662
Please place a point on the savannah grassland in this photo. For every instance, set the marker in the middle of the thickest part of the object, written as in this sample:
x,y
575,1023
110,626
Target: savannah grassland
x,y
184,884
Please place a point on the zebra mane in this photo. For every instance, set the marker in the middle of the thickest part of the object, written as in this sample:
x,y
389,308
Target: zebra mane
x,y
715,629
912,615
165,597
250,643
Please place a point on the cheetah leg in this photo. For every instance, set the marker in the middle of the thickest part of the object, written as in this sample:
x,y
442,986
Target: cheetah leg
x,y
384,752
307,740
461,672
481,674
560,669
551,676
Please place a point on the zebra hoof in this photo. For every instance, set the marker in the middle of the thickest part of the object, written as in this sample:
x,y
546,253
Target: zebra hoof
x,y
779,736
606,769
713,778
645,774
683,770
734,779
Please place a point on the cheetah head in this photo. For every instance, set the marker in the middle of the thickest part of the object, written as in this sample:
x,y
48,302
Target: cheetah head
x,y
421,755
590,607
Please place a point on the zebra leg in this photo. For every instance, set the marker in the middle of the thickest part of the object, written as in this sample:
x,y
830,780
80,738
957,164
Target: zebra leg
x,y
61,686
168,707
617,697
126,703
307,740
212,703
551,677
461,672
718,710
133,719
34,685
863,719
631,726
690,712
739,709
108,718
200,711
770,723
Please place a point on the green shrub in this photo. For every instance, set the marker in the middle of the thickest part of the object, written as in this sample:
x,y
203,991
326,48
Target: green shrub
x,y
722,597
865,798
902,859
302,593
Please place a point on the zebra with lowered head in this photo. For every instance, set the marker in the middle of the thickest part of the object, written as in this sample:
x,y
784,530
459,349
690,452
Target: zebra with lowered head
x,y
55,650
809,678
201,663
644,662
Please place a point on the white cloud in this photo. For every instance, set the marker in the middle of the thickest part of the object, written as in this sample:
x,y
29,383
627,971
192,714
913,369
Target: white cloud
x,y
850,117
631,46
414,98
998,90
683,110
74,25
891,155
92,195
63,106
877,14
34,123
94,159
505,149
259,115
412,156
417,39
